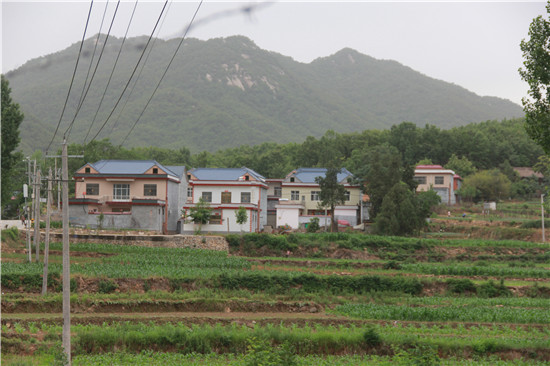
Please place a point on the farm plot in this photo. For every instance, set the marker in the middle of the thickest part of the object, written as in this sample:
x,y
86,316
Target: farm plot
x,y
393,300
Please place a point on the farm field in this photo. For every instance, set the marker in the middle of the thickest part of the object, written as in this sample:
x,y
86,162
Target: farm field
x,y
337,299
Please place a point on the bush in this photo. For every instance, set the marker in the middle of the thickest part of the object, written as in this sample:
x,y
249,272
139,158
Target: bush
x,y
490,289
11,233
313,225
460,285
106,286
371,337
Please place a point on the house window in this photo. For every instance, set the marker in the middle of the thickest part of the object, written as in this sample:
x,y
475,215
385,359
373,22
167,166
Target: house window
x,y
226,197
347,195
420,179
92,189
207,196
190,192
439,180
245,197
246,177
149,189
86,170
315,195
294,195
277,191
215,217
292,179
121,191
155,170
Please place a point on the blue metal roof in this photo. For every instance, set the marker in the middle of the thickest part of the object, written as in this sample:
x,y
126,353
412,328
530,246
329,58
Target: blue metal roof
x,y
131,167
227,174
308,175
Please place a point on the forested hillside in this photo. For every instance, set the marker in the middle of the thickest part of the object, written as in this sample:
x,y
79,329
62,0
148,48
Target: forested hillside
x,y
228,92
486,145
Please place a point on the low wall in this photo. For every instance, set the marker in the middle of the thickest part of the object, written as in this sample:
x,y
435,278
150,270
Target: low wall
x,y
165,241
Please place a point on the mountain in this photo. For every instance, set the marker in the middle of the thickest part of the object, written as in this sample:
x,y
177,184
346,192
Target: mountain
x,y
227,92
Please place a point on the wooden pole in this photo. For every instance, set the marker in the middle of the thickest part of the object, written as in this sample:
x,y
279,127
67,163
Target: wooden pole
x,y
66,258
37,181
47,238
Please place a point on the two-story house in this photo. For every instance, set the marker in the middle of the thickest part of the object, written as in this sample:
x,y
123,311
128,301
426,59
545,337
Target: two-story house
x,y
300,201
122,194
226,190
443,181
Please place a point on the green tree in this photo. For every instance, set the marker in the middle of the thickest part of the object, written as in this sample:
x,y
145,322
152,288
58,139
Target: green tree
x,y
486,185
398,213
461,166
11,120
200,214
536,55
241,216
380,171
332,192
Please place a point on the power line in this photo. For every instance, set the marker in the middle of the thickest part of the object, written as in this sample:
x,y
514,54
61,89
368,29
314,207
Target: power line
x,y
140,71
165,71
112,72
95,69
93,54
72,79
133,72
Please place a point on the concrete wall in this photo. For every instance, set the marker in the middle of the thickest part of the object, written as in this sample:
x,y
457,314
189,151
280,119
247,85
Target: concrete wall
x,y
141,217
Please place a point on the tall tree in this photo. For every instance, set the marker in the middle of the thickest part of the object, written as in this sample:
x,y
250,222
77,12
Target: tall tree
x,y
11,120
332,192
536,55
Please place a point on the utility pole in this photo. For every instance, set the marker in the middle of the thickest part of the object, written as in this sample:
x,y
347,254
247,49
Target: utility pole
x,y
66,258
28,214
542,216
47,238
37,181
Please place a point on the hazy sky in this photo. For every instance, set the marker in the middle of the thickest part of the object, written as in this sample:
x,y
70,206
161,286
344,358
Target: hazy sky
x,y
471,44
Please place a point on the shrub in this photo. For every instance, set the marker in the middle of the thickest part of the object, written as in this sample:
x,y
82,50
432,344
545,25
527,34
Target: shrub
x,y
460,285
313,225
371,337
106,286
11,233
490,289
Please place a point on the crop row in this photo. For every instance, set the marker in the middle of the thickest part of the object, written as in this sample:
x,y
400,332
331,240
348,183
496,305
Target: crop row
x,y
462,270
446,313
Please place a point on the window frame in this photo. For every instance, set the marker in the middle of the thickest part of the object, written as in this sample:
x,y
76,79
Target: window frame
x,y
440,178
243,194
90,189
294,195
121,192
207,196
315,195
150,187
226,197
420,179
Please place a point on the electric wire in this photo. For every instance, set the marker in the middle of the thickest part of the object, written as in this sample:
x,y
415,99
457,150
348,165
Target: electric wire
x,y
140,71
112,72
165,71
72,79
93,54
95,69
133,72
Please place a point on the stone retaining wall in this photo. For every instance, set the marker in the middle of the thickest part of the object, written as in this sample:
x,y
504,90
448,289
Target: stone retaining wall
x,y
165,241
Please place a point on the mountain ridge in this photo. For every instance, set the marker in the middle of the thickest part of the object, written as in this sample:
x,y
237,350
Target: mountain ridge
x,y
226,92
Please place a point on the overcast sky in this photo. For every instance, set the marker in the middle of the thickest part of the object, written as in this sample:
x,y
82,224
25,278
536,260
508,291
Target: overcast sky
x,y
471,44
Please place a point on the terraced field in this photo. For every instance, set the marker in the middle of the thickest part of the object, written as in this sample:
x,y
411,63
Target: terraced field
x,y
337,299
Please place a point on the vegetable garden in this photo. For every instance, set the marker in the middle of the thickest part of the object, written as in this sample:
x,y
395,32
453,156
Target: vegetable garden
x,y
338,299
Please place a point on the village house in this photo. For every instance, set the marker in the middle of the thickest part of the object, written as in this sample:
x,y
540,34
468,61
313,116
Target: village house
x,y
443,181
226,190
128,194
299,200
